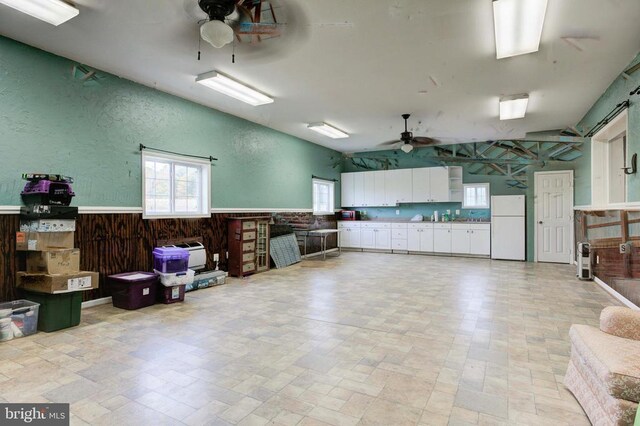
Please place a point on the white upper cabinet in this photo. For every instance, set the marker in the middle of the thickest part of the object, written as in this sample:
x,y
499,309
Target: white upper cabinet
x,y
358,183
390,187
421,185
439,184
379,197
347,190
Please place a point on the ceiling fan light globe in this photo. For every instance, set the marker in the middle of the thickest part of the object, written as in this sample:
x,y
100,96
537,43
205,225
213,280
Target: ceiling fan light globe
x,y
216,33
407,148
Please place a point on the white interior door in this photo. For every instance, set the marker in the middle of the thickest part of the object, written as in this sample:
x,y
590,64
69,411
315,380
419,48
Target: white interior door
x,y
554,207
617,178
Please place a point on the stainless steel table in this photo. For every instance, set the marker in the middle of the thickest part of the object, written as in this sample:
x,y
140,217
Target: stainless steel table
x,y
322,234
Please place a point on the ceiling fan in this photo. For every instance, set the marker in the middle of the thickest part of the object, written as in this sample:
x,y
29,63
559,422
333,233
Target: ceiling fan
x,y
409,141
245,20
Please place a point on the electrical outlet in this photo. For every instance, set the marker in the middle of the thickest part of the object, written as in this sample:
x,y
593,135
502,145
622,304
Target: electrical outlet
x,y
597,260
625,248
457,212
216,257
227,255
397,212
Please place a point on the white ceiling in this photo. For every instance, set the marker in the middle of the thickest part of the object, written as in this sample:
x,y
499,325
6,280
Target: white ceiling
x,y
359,64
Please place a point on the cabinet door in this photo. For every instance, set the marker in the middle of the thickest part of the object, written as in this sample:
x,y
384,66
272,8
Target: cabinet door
x,y
358,189
426,240
439,184
413,239
442,240
421,192
345,237
391,187
383,239
369,189
404,186
367,238
460,241
346,190
379,185
354,237
480,242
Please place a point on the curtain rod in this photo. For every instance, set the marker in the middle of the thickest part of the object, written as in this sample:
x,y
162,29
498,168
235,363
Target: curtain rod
x,y
143,147
613,114
318,177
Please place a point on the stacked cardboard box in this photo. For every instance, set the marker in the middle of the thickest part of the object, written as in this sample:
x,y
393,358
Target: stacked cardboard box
x,y
53,264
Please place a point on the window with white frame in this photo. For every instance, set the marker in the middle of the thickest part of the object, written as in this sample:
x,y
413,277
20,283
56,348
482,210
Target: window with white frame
x,y
175,186
476,196
323,198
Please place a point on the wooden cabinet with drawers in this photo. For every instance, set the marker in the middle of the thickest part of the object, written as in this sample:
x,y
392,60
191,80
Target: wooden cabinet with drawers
x,y
248,239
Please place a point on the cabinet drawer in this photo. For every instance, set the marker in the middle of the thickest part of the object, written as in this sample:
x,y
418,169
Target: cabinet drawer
x,y
398,226
460,226
248,267
250,246
248,257
399,244
248,236
248,225
379,225
399,234
420,225
441,226
348,224
480,226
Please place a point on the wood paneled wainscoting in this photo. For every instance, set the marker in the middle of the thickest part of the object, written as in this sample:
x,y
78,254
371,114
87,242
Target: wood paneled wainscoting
x,y
114,243
605,230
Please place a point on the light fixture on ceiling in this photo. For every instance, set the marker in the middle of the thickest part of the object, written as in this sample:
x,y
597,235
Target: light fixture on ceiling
x,y
225,85
513,106
406,148
327,130
216,33
518,26
54,12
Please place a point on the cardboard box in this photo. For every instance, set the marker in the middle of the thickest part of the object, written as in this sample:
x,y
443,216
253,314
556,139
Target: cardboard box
x,y
41,241
47,225
43,283
54,262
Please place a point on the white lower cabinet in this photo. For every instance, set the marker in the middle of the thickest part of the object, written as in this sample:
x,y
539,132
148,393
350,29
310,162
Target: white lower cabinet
x,y
349,234
399,236
480,241
452,238
442,238
471,238
420,237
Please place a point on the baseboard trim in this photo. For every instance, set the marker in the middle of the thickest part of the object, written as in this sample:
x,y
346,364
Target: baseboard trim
x,y
9,209
260,210
615,294
96,302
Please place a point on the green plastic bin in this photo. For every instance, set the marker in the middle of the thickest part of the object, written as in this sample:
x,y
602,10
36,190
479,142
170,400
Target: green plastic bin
x,y
57,311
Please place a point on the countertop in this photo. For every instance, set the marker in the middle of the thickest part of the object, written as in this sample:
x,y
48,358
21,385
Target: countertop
x,y
392,220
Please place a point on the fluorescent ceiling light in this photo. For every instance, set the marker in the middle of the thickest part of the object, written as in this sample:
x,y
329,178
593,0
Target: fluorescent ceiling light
x,y
406,147
518,26
54,12
513,107
225,85
327,130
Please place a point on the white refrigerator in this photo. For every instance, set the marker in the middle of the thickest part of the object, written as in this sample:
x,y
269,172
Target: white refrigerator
x,y
508,227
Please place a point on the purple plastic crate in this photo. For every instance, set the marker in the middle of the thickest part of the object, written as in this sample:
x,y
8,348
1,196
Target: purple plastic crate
x,y
47,192
170,259
133,290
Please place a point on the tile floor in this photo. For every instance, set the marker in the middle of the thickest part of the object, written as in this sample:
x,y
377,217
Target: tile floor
x,y
365,338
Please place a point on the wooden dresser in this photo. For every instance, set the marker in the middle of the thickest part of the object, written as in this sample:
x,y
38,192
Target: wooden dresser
x,y
248,245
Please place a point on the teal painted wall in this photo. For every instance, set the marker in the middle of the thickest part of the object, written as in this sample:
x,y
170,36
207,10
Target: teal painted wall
x,y
617,92
51,122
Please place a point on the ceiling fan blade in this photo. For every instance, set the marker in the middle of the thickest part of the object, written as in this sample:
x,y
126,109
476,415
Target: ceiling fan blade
x,y
391,142
422,140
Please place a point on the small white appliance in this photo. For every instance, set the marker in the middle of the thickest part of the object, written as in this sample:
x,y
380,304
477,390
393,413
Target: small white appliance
x,y
508,227
197,254
584,261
